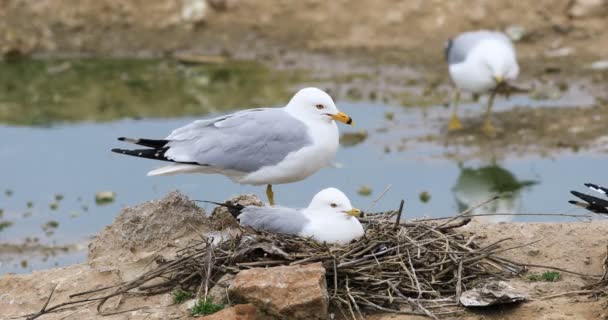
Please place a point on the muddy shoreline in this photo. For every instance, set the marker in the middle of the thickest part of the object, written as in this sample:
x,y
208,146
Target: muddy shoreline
x,y
140,235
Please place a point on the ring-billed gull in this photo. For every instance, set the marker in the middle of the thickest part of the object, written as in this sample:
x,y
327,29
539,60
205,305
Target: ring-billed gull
x,y
329,217
256,146
480,61
593,204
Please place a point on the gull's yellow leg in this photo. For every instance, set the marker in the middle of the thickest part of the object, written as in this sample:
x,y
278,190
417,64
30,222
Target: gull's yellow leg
x,y
488,128
270,194
454,123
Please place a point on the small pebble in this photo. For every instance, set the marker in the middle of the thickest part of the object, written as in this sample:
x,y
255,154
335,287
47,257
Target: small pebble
x,y
104,197
365,190
425,196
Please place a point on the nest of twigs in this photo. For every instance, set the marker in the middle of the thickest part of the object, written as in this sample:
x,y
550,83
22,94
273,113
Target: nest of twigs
x,y
412,268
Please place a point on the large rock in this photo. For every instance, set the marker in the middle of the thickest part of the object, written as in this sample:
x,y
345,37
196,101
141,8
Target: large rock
x,y
237,312
291,292
144,232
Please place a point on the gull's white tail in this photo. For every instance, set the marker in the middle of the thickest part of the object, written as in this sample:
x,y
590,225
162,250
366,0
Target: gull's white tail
x,y
175,169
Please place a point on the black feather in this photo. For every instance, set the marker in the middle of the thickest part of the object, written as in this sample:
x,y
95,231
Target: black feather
x,y
150,143
154,154
594,204
597,188
234,209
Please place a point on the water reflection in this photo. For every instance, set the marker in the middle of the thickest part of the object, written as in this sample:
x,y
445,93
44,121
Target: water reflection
x,y
474,186
41,92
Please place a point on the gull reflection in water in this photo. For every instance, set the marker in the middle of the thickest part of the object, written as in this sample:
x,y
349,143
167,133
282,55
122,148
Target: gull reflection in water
x,y
477,185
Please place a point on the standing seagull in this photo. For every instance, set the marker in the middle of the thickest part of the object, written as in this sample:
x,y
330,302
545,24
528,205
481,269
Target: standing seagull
x,y
479,62
256,146
329,217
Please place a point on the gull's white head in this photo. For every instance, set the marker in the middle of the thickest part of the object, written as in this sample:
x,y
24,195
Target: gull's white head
x,y
333,200
315,104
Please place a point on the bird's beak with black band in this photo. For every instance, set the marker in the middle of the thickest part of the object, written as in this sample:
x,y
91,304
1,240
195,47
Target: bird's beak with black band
x,y
342,117
355,213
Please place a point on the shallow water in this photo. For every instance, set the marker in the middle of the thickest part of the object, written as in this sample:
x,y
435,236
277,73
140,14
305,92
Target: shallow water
x,y
73,160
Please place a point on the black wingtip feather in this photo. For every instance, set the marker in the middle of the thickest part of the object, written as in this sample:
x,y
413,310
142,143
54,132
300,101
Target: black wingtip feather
x,y
597,188
150,143
234,209
592,204
154,154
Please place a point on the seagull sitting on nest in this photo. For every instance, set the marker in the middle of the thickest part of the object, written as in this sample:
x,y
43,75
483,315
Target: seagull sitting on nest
x,y
591,203
480,62
256,146
328,218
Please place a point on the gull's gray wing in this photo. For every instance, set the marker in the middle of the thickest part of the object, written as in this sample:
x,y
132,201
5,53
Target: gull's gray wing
x,y
273,219
243,141
457,49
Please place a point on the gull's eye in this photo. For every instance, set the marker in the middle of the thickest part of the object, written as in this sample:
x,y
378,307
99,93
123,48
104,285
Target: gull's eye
x,y
320,106
333,205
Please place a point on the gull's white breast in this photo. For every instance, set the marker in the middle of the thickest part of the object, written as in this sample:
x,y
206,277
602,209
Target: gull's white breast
x,y
302,163
332,228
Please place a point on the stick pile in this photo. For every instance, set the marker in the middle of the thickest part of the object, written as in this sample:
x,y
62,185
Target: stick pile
x,y
416,268
407,268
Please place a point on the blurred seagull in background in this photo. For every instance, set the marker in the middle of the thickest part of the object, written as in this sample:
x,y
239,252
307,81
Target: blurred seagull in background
x,y
256,146
329,217
591,203
480,62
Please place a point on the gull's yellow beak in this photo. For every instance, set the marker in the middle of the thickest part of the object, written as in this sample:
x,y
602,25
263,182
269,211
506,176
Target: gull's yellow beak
x,y
355,213
499,79
342,117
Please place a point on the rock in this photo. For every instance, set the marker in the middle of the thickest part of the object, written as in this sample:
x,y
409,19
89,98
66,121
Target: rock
x,y
104,197
292,292
599,65
516,33
141,233
219,292
194,11
221,217
186,306
237,312
533,252
587,8
494,293
560,52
